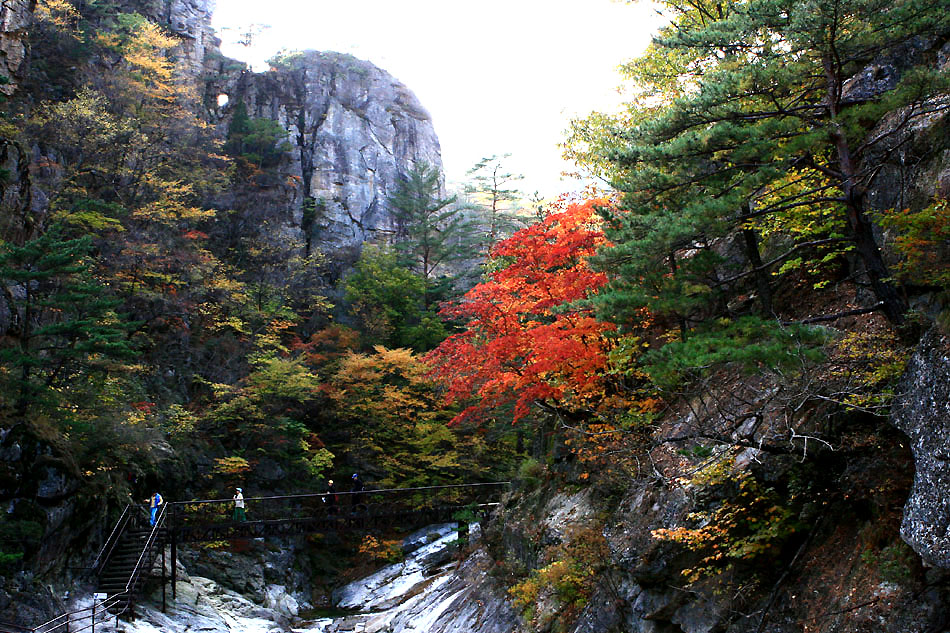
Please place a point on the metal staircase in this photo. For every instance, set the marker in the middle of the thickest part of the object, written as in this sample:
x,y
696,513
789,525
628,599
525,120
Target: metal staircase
x,y
124,572
122,566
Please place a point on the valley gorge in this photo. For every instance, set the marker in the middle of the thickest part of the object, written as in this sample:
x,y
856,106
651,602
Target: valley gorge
x,y
237,299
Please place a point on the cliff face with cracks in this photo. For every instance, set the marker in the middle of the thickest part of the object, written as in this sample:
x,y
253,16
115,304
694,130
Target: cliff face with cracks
x,y
353,129
15,18
923,413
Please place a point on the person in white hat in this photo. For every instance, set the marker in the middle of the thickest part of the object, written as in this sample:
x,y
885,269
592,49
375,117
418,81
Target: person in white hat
x,y
239,506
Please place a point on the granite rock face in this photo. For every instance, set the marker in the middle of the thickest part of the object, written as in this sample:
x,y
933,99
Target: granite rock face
x,y
428,591
923,413
191,21
909,153
354,131
15,18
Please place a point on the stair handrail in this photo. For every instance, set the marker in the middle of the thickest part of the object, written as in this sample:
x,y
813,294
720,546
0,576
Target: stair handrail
x,y
65,622
113,539
149,543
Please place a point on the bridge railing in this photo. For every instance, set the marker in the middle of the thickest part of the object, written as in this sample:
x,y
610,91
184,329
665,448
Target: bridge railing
x,y
329,505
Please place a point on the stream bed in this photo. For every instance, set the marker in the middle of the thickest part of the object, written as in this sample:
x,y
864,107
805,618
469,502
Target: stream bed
x,y
432,590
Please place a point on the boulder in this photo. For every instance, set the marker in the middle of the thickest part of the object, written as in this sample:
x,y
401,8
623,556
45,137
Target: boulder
x,y
922,411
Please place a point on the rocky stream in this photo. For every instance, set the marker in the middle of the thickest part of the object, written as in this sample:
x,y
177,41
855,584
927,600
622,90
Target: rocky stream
x,y
433,589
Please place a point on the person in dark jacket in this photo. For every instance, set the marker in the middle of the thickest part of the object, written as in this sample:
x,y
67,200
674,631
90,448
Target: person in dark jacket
x,y
357,488
331,497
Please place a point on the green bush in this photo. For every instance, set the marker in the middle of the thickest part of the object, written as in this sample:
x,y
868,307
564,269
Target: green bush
x,y
530,474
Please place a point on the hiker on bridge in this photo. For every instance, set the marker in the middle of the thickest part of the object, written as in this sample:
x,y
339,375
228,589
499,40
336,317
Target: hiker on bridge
x,y
357,488
239,514
154,504
330,498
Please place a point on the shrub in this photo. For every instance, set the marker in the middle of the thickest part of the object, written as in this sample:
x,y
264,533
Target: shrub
x,y
751,524
570,577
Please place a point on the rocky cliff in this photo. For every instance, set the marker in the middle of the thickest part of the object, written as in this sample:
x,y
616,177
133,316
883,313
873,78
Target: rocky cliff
x,y
923,413
15,17
354,130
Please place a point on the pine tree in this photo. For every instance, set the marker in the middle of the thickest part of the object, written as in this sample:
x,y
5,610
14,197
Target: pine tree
x,y
433,231
496,200
62,322
764,133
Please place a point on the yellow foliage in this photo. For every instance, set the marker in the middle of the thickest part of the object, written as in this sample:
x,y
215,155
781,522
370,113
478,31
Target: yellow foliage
x,y
751,523
61,14
380,550
570,576
869,364
231,465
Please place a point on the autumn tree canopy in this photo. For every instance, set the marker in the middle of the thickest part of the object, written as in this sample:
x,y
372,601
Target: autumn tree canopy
x,y
529,338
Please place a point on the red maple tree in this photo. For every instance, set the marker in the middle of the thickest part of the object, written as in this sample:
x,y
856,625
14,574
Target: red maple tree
x,y
526,339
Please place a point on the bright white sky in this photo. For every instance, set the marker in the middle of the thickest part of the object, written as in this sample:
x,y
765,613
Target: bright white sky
x,y
497,76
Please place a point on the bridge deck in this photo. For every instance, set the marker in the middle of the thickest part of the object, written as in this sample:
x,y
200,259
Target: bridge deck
x,y
338,521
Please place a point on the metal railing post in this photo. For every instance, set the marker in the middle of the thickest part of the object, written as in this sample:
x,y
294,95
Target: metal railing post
x,y
163,576
174,530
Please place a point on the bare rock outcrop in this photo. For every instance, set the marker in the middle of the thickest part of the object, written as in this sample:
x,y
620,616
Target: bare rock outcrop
x,y
354,130
923,413
15,19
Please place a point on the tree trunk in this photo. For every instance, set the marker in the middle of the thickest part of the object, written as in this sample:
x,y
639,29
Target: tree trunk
x,y
861,229
761,275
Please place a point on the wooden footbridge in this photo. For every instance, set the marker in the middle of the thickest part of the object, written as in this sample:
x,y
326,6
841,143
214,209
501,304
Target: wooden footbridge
x,y
128,556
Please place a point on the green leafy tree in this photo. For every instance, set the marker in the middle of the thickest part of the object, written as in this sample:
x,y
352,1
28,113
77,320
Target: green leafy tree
x,y
269,414
388,302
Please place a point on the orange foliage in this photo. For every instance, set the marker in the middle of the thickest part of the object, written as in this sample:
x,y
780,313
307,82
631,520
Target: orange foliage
x,y
524,340
330,343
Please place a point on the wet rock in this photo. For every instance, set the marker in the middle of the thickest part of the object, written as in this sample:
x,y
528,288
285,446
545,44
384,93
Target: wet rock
x,y
389,586
922,411
277,599
203,605
466,599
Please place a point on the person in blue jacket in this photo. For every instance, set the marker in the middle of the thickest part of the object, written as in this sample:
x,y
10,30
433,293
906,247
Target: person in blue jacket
x,y
154,505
